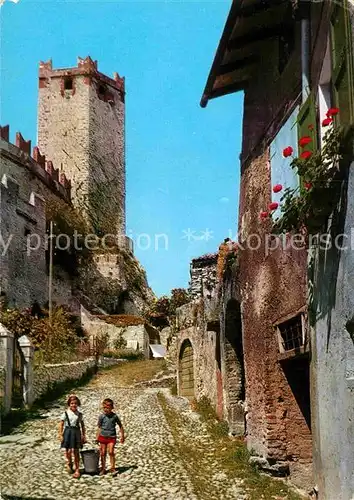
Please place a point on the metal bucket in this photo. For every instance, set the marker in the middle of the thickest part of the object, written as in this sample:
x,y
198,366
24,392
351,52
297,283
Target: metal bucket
x,y
90,459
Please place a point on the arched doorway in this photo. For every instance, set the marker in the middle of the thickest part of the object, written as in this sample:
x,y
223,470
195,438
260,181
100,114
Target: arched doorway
x,y
186,370
234,367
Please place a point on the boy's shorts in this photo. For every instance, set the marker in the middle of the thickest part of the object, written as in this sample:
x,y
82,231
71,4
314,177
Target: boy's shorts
x,y
107,440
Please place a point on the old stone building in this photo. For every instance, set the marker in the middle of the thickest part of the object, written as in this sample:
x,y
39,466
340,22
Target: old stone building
x,y
76,180
198,342
26,186
203,275
294,61
81,127
209,339
121,331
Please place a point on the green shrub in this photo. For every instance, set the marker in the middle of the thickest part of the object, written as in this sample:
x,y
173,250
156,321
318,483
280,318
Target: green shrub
x,y
120,342
218,428
179,297
18,322
221,428
242,454
128,354
54,341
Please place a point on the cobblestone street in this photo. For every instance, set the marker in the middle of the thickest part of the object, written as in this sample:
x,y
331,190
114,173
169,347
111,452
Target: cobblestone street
x,y
149,463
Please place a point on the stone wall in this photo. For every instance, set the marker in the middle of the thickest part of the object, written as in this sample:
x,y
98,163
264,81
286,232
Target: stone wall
x,y
272,286
103,279
191,327
116,282
332,366
81,127
105,362
107,154
136,337
45,376
332,340
26,188
22,271
33,173
231,370
202,275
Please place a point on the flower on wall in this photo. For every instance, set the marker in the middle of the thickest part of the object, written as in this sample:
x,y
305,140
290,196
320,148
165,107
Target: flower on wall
x,y
304,141
277,188
305,155
273,206
326,122
322,173
287,152
332,112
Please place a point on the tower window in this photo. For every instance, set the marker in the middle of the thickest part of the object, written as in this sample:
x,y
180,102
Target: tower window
x,y
68,83
102,92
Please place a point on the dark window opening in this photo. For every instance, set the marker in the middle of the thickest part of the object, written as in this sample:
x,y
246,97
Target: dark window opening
x,y
101,91
27,231
68,84
291,333
297,373
234,347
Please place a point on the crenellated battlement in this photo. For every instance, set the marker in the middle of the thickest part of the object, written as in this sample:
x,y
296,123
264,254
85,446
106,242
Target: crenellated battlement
x,y
20,152
85,67
32,208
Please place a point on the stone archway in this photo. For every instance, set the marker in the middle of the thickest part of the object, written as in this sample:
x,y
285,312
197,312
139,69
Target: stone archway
x,y
234,367
186,370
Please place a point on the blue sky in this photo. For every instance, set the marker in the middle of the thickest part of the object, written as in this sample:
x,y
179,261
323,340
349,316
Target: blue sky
x,y
182,160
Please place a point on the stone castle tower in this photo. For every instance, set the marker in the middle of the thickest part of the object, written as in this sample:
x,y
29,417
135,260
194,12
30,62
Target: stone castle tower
x,y
81,128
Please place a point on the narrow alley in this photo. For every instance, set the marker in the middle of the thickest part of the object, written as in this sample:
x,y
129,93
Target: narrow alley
x,y
169,452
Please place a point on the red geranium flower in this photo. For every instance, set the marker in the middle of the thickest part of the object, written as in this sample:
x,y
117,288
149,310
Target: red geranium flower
x,y
332,112
305,155
307,186
277,188
273,206
304,141
264,215
288,152
326,122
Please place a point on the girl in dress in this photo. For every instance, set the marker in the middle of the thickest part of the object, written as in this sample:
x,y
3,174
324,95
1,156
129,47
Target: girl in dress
x,y
72,434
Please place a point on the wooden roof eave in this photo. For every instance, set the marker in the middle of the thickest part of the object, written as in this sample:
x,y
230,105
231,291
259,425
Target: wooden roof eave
x,y
240,46
228,29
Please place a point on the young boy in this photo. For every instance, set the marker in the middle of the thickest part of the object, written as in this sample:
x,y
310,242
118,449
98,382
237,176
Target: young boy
x,y
106,434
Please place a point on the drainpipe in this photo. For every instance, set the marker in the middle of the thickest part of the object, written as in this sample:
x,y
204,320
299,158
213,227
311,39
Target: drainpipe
x,y
305,57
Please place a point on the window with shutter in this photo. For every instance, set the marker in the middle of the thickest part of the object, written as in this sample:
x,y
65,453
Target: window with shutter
x,y
342,63
325,100
280,167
